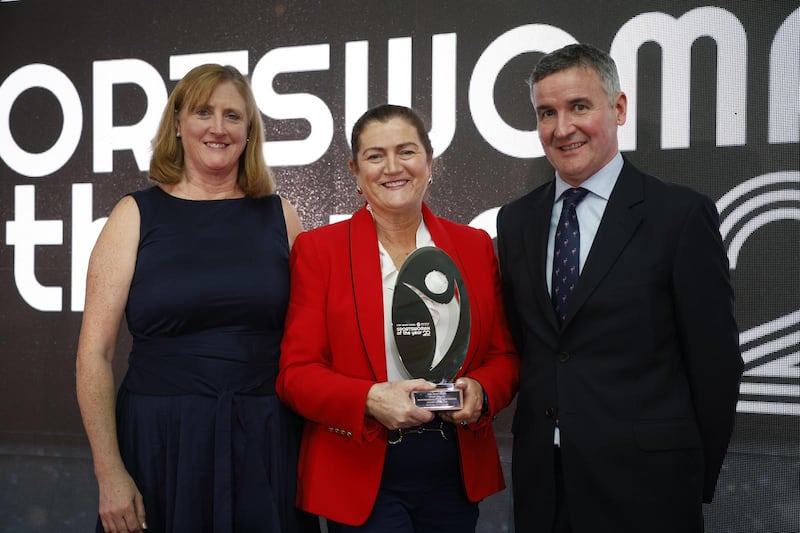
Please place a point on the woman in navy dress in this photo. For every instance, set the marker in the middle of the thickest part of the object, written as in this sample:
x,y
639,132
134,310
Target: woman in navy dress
x,y
196,439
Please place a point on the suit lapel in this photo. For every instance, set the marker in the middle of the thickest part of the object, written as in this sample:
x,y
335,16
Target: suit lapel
x,y
535,234
368,289
617,226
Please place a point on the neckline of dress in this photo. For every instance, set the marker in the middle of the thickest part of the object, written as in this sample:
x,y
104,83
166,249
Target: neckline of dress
x,y
200,200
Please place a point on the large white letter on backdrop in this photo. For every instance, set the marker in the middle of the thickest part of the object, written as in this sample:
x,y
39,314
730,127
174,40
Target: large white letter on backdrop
x,y
135,137
36,165
521,40
294,106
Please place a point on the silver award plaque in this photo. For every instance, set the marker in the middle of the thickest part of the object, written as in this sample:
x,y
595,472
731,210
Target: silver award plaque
x,y
431,325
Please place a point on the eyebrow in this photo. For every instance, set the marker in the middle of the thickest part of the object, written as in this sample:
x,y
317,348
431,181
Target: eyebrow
x,y
208,105
234,110
397,146
408,143
579,100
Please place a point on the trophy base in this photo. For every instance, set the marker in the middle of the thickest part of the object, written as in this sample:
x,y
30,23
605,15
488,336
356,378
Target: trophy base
x,y
445,397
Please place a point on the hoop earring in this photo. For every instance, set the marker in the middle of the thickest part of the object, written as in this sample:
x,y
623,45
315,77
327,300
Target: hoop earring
x,y
430,180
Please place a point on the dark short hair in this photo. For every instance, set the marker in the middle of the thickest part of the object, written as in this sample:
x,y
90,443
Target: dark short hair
x,y
384,113
579,55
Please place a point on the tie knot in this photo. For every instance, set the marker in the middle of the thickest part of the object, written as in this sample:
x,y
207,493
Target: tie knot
x,y
573,197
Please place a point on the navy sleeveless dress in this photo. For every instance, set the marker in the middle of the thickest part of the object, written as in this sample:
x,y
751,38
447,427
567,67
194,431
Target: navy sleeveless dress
x,y
200,428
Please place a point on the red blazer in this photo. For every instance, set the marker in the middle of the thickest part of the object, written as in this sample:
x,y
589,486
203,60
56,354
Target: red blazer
x,y
333,352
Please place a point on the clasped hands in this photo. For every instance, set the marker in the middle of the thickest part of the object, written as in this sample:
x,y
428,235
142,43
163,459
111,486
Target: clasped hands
x,y
390,403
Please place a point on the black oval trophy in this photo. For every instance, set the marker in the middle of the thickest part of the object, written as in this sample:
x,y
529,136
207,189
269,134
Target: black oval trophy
x,y
431,325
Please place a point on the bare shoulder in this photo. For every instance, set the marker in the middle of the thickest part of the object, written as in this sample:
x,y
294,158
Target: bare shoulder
x,y
120,235
293,224
126,209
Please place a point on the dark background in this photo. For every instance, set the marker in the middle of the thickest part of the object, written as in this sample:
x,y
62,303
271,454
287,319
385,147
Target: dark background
x,y
46,479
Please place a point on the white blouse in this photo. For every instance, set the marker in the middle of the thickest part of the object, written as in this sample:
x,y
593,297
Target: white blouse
x,y
389,272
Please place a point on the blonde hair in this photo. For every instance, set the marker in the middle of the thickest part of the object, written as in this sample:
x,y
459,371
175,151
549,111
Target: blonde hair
x,y
193,91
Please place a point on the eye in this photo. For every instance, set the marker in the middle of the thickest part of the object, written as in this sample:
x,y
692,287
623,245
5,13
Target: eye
x,y
546,113
202,111
373,157
407,153
581,107
233,116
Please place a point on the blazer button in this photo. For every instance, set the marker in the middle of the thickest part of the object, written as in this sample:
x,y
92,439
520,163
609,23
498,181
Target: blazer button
x,y
549,412
563,357
349,433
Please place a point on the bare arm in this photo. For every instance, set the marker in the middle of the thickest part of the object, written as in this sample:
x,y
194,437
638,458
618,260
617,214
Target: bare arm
x,y
293,225
108,280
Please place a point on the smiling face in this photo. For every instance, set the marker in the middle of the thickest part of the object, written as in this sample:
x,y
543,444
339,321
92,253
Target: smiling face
x,y
577,124
392,167
214,135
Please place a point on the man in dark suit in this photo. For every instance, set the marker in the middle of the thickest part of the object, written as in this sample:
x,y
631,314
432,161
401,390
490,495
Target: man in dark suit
x,y
628,343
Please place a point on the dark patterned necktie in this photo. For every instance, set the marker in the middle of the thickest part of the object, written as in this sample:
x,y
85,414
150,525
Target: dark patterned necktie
x,y
566,252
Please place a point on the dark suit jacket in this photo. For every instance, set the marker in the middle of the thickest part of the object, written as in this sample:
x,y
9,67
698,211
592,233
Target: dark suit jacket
x,y
333,352
643,376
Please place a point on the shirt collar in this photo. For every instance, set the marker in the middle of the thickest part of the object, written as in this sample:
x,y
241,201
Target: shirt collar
x,y
600,183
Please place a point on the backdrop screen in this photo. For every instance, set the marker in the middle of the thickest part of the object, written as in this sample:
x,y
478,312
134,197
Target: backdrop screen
x,y
714,103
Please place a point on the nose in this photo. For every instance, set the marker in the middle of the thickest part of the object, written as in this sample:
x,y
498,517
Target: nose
x,y
218,124
392,164
564,125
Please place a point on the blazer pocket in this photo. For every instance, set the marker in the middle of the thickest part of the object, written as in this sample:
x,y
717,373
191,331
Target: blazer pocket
x,y
673,434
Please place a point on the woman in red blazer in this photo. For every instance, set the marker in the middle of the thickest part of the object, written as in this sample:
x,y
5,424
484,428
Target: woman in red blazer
x,y
372,461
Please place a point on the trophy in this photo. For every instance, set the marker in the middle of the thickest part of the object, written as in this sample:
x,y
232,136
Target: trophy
x,y
431,325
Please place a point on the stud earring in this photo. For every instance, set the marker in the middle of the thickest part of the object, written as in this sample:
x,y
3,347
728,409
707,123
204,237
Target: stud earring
x,y
358,190
430,180
178,135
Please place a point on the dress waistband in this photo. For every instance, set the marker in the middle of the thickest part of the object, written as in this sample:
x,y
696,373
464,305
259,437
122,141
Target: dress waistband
x,y
219,344
209,363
